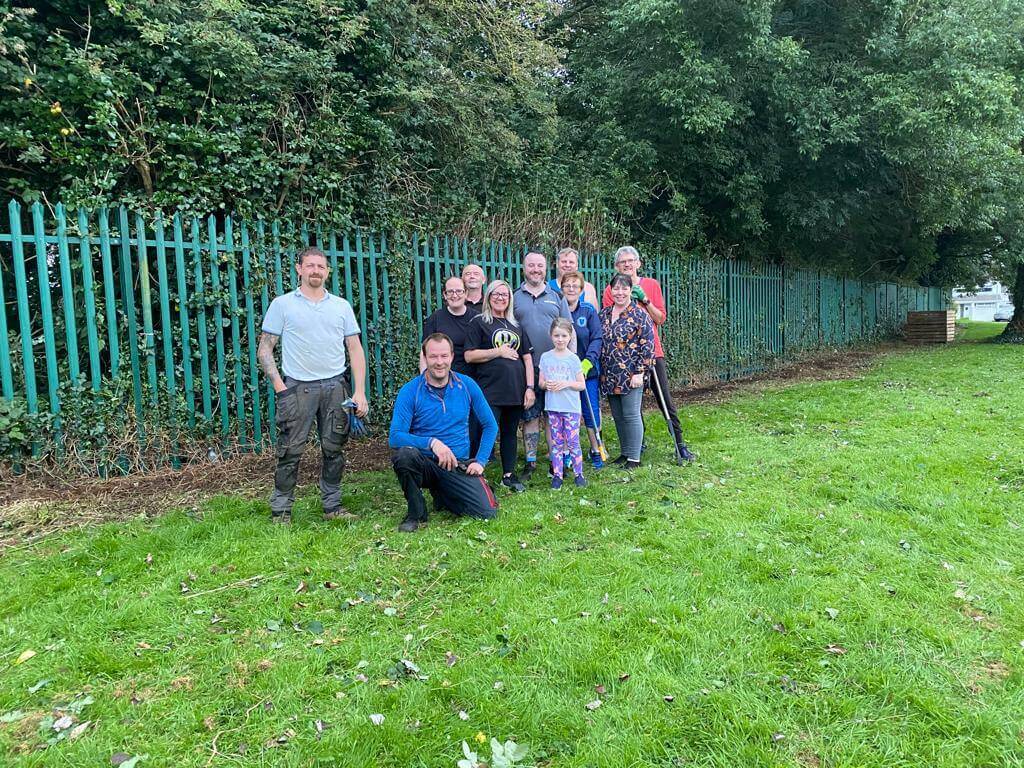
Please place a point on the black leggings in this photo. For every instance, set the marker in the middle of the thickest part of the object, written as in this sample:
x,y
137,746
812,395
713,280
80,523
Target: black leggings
x,y
508,417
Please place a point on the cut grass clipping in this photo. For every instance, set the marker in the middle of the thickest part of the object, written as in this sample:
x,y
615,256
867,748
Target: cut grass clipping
x,y
837,582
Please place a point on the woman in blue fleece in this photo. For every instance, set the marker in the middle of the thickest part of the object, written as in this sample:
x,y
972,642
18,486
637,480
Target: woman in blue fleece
x,y
429,438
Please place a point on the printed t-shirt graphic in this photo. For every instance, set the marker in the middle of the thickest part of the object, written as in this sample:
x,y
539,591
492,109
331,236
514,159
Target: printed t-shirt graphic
x,y
503,381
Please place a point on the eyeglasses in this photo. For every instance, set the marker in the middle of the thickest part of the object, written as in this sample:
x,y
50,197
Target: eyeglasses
x,y
455,291
497,295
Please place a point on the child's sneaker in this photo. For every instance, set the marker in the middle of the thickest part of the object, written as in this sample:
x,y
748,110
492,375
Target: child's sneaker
x,y
595,460
556,483
581,481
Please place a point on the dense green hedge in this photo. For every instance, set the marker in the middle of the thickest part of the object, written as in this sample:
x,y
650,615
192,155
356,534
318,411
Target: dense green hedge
x,y
874,137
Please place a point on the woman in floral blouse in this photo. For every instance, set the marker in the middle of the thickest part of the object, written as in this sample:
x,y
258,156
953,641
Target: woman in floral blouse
x,y
626,356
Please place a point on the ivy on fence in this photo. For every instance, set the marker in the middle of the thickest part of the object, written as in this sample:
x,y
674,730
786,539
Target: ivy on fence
x,y
128,342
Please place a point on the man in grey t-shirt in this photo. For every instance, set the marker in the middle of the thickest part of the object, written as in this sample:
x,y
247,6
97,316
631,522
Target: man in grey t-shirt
x,y
535,305
316,329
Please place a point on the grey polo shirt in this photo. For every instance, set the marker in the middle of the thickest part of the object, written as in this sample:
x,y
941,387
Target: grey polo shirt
x,y
312,334
535,313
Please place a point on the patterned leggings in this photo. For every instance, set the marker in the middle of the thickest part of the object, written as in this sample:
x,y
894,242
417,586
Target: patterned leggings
x,y
565,439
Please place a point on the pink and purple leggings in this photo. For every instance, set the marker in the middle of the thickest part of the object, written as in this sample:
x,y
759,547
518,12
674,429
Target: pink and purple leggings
x,y
565,439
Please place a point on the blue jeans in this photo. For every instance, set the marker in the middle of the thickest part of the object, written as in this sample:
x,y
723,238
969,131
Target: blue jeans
x,y
628,424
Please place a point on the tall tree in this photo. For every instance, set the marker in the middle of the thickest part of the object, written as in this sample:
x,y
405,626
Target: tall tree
x,y
849,134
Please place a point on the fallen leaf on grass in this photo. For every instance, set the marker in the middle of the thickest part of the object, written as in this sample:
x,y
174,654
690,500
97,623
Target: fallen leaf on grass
x,y
836,649
377,719
78,730
44,682
180,683
450,659
592,705
12,716
78,704
669,698
282,739
302,587
832,613
25,656
63,723
463,715
600,690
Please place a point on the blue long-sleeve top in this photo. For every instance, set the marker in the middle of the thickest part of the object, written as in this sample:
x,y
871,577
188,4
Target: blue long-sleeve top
x,y
424,413
588,335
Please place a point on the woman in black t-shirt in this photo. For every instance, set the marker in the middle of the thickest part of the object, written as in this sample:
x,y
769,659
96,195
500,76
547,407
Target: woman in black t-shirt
x,y
501,352
453,321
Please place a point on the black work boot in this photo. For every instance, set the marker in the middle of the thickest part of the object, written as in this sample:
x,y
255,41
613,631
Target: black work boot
x,y
409,525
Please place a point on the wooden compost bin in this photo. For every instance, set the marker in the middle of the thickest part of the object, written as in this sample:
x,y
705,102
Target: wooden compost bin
x,y
930,327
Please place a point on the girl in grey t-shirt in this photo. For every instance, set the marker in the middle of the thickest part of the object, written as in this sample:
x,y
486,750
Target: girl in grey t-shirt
x,y
562,379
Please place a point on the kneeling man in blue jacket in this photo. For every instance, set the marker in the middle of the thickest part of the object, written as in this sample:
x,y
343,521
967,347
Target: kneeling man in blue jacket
x,y
429,439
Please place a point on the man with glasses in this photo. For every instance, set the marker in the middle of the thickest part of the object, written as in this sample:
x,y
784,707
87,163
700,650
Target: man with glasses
x,y
452,320
647,294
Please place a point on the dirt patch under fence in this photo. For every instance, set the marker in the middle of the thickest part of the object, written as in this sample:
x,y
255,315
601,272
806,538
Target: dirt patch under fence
x,y
824,367
41,502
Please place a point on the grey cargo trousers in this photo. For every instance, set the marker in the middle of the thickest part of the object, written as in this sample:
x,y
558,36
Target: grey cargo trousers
x,y
298,406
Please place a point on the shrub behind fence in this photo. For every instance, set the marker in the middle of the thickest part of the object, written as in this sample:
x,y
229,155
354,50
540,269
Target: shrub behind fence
x,y
128,341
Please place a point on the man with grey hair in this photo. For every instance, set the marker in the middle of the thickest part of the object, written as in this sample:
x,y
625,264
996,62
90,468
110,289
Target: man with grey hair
x,y
536,305
647,294
474,281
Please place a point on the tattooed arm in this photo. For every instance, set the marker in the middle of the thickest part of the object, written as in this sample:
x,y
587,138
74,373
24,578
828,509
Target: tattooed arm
x,y
265,354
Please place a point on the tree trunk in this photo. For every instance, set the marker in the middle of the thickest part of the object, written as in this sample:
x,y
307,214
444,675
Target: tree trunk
x,y
1014,331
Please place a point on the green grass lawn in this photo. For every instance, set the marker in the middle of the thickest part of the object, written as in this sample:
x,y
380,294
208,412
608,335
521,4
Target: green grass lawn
x,y
837,582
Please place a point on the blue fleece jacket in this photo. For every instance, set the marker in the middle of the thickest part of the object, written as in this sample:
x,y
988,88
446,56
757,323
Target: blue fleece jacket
x,y
588,335
422,414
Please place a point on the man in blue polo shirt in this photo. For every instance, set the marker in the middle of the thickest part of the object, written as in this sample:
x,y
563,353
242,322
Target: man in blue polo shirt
x,y
316,329
429,438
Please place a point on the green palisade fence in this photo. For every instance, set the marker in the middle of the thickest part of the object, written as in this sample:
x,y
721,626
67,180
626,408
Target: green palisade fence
x,y
160,317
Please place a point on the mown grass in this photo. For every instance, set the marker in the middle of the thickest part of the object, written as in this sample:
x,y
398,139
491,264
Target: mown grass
x,y
836,583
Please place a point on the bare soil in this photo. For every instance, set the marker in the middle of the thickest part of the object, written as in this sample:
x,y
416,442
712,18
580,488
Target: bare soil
x,y
42,502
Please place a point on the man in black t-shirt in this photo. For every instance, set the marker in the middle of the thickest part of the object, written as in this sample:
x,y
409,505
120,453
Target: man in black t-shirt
x,y
452,320
473,277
